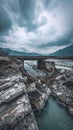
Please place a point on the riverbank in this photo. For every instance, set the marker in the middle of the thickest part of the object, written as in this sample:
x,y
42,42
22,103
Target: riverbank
x,y
60,83
15,108
62,89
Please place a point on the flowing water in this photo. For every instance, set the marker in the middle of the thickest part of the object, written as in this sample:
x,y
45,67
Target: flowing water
x,y
54,117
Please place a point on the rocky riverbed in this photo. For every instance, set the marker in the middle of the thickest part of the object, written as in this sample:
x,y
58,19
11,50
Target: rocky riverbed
x,y
62,89
20,88
58,84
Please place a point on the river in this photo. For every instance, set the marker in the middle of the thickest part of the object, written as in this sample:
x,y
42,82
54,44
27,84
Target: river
x,y
54,117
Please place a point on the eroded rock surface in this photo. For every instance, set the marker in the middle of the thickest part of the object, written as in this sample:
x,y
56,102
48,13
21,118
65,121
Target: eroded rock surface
x,y
62,89
15,108
38,94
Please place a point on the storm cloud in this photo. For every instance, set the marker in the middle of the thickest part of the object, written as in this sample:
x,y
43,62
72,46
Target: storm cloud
x,y
36,26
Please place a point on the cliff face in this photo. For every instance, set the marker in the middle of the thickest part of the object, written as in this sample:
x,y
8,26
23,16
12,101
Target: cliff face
x,y
17,90
15,107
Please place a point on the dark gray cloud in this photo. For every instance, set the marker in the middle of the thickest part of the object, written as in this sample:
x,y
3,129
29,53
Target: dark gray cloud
x,y
5,21
28,9
22,12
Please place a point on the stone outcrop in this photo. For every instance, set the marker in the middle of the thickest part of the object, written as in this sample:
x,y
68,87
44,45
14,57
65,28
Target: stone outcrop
x,y
15,111
15,108
28,123
38,94
62,90
11,93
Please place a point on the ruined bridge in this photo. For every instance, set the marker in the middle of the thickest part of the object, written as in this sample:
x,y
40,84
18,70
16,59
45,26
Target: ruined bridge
x,y
41,59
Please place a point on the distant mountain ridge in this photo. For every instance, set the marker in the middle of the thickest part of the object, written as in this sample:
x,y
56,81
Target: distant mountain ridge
x,y
68,51
7,51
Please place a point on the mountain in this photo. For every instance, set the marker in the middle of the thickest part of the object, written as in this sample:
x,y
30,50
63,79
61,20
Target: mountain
x,y
68,51
7,51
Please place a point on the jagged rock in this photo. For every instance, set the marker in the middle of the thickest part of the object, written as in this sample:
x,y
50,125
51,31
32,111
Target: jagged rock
x,y
28,123
25,79
11,93
31,87
10,81
34,94
4,80
15,108
62,70
40,102
15,112
54,86
39,96
62,89
46,90
39,82
59,93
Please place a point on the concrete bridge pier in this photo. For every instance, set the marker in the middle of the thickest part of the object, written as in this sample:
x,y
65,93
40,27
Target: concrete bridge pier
x,y
40,64
48,66
22,63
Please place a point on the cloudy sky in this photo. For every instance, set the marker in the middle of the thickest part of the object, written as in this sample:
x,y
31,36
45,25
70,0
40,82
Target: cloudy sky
x,y
36,26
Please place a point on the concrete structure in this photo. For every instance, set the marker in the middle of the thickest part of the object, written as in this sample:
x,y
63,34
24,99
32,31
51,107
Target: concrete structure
x,y
42,57
49,66
41,63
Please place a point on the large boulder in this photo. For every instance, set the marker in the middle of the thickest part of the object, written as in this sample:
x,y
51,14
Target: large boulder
x,y
38,94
